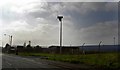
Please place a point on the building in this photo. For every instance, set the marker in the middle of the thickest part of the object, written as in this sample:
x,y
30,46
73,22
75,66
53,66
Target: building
x,y
65,49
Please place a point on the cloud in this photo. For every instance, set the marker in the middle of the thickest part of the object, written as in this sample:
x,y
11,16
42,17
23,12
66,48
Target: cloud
x,y
17,26
41,34
82,0
31,11
111,6
101,32
1,32
88,7
82,22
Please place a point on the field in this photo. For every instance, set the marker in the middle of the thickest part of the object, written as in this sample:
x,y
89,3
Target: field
x,y
106,60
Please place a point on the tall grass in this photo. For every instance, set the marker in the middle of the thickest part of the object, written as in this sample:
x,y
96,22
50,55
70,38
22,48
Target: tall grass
x,y
109,60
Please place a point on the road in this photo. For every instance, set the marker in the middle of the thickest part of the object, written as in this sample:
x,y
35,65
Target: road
x,y
14,62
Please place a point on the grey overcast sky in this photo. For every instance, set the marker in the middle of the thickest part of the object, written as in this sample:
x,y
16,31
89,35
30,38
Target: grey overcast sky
x,y
83,22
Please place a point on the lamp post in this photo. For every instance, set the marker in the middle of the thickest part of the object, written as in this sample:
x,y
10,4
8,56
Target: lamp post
x,y
60,19
11,40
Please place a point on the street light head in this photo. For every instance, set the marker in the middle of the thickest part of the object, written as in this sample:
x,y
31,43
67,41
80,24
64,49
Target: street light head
x,y
60,18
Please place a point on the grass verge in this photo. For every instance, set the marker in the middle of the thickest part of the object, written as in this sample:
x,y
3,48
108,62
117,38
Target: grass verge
x,y
104,60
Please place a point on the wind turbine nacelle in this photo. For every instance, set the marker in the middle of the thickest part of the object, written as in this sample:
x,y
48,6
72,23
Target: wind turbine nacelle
x,y
60,18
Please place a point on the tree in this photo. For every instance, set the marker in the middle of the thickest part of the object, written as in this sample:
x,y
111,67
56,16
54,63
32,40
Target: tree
x,y
7,46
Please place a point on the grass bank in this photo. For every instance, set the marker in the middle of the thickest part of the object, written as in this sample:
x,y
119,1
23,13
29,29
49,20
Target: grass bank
x,y
107,60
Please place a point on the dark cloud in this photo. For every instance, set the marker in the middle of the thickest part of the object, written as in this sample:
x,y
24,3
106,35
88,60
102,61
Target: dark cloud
x,y
87,22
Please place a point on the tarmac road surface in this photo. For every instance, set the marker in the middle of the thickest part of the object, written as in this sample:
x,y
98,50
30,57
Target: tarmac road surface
x,y
13,62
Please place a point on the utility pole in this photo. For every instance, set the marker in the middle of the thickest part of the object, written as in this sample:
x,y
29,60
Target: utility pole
x,y
82,48
99,46
11,40
114,41
60,19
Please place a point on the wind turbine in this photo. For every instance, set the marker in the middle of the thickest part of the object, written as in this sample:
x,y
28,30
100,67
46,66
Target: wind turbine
x,y
60,20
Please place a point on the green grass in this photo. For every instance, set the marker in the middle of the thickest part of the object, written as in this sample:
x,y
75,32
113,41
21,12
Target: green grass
x,y
109,60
